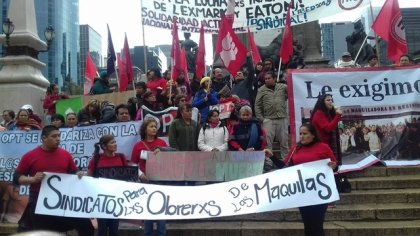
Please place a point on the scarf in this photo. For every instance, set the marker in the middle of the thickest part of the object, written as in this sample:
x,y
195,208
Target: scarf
x,y
253,135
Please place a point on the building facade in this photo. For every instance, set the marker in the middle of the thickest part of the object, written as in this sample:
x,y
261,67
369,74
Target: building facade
x,y
90,41
62,59
333,40
153,60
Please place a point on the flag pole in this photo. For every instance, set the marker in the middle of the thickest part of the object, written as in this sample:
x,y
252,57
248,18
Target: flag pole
x,y
116,75
278,72
360,49
144,41
376,36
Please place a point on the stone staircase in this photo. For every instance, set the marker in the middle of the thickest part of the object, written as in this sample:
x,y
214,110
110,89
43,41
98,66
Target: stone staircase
x,y
384,201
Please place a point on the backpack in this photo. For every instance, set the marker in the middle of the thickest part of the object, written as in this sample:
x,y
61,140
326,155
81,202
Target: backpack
x,y
107,112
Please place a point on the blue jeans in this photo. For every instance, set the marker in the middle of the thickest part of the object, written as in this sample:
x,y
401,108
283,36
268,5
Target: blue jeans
x,y
108,224
148,227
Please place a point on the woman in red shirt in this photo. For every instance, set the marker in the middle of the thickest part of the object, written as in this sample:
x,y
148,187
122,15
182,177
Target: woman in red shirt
x,y
310,148
109,158
51,99
149,142
325,118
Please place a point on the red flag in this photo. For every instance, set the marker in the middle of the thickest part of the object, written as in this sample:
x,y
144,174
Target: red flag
x,y
126,60
175,52
184,65
229,47
286,49
90,72
122,75
388,24
255,53
200,62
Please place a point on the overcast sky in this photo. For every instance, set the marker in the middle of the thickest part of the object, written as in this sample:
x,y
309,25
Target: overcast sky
x,y
124,17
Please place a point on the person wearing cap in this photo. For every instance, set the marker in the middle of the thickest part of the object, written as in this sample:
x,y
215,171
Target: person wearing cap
x,y
101,85
346,61
32,115
205,98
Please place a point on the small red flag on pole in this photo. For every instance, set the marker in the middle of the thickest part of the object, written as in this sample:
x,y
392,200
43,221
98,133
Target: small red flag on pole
x,y
286,49
255,53
90,72
200,62
388,24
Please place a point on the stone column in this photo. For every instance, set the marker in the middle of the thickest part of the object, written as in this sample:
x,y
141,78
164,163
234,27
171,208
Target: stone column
x,y
309,35
21,80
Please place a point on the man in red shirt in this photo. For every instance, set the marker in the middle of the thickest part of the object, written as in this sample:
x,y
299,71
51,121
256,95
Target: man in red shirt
x,y
48,157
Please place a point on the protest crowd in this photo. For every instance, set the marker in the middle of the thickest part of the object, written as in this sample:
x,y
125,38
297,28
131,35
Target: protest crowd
x,y
258,121
258,117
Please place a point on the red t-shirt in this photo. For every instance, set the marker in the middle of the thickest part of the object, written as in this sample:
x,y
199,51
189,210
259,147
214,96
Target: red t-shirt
x,y
314,152
140,146
39,160
105,161
153,84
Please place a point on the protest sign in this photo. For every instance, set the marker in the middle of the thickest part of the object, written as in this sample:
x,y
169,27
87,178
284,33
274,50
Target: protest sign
x,y
204,166
70,105
163,118
127,173
225,109
379,109
256,14
301,185
79,141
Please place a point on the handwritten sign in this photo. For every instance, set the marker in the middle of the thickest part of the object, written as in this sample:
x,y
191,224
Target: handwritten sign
x,y
204,166
67,195
255,14
225,109
127,173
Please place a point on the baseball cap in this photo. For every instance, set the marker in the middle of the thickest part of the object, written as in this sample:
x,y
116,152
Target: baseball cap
x,y
27,107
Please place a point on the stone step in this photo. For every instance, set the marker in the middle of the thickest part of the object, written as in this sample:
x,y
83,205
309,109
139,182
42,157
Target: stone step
x,y
356,212
388,182
238,228
382,171
380,196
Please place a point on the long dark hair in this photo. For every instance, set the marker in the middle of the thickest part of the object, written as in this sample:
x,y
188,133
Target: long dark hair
x,y
312,131
50,89
104,140
320,105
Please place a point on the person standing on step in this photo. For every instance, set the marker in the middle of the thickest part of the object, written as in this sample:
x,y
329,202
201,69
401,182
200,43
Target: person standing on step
x,y
108,158
311,148
48,157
